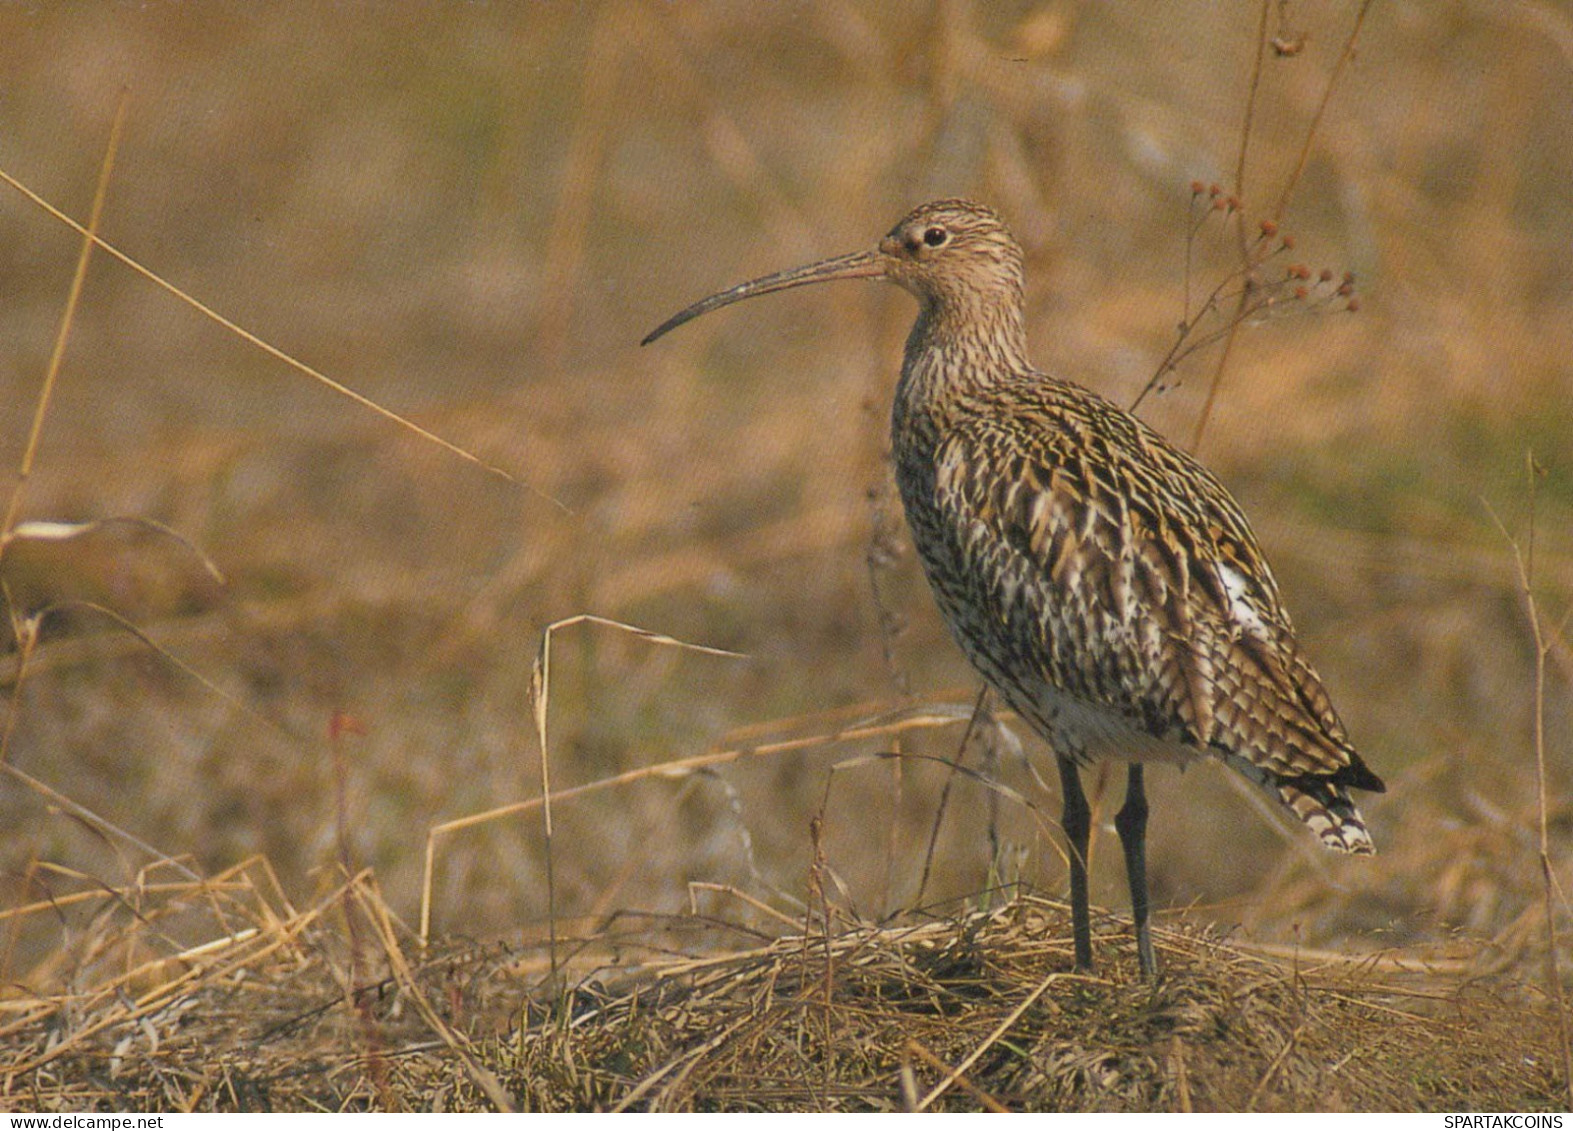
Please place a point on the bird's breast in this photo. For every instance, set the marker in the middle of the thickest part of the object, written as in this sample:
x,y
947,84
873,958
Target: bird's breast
x,y
1069,667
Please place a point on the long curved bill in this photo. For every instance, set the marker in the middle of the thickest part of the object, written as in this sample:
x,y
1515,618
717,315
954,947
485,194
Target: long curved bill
x,y
859,265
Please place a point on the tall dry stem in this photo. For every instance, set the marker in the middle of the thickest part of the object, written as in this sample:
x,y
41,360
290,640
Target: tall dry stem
x,y
1524,561
1284,196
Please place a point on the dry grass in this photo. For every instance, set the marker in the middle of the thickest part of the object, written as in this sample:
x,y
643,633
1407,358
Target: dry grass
x,y
469,219
287,1011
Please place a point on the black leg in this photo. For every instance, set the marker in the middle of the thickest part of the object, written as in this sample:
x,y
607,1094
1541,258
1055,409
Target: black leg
x,y
1131,823
1077,823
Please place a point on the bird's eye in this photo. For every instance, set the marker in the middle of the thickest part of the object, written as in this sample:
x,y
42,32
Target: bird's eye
x,y
934,237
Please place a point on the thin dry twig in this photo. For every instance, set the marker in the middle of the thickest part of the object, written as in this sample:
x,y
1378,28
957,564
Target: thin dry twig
x,y
999,1031
916,1048
125,1010
1272,1069
1284,196
268,348
164,653
73,297
540,700
1345,57
93,820
676,768
979,711
45,531
26,632
377,912
1524,560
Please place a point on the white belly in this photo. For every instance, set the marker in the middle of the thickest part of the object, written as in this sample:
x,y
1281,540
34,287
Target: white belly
x,y
1088,732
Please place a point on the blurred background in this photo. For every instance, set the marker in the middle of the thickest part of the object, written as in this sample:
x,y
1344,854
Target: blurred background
x,y
472,212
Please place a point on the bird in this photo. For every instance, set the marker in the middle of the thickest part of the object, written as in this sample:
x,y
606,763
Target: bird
x,y
1097,576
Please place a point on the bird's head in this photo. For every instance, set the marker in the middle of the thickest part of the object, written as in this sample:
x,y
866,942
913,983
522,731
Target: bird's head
x,y
953,255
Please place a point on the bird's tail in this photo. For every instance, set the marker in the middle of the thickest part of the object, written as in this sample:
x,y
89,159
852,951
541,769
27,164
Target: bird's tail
x,y
1327,809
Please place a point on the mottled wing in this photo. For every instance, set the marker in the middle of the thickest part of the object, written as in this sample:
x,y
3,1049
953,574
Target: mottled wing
x,y
1121,571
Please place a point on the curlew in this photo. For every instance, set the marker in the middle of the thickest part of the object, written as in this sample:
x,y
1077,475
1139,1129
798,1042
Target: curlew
x,y
1098,577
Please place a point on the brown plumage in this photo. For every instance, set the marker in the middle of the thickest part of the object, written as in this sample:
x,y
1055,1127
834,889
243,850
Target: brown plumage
x,y
1101,579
